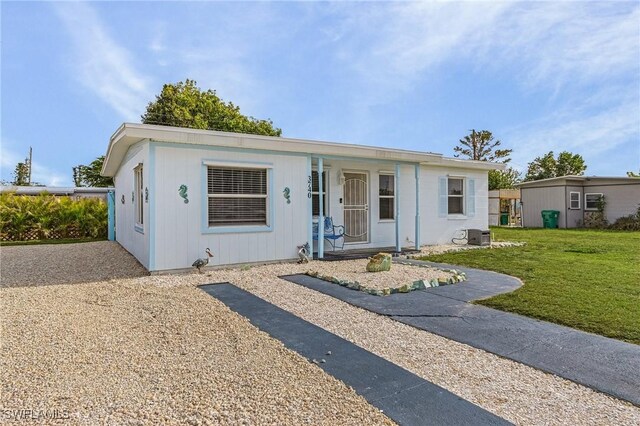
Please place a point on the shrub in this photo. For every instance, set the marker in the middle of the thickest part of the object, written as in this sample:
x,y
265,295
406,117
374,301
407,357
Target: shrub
x,y
45,216
628,223
597,219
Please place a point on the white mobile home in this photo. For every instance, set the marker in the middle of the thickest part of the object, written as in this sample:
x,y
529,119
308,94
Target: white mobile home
x,y
255,198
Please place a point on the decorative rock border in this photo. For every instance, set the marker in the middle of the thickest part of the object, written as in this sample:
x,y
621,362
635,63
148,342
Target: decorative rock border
x,y
454,248
458,276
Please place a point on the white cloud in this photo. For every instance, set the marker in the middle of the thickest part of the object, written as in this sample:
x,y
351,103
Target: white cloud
x,y
561,50
591,135
9,158
544,43
101,64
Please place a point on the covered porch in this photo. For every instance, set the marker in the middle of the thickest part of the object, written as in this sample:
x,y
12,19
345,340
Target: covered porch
x,y
359,207
351,254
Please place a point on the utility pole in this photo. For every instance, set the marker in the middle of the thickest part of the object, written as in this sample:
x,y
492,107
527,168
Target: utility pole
x,y
29,164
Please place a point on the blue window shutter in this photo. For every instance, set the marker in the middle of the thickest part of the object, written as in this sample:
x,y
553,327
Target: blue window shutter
x,y
471,197
443,205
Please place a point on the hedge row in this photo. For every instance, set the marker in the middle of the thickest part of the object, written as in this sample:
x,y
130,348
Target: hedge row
x,y
44,216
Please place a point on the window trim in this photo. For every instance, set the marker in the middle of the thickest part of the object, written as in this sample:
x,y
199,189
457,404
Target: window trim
x,y
138,191
591,209
395,190
235,229
325,188
463,196
578,200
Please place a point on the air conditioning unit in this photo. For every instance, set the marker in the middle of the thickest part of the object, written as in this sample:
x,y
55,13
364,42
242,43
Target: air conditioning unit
x,y
478,237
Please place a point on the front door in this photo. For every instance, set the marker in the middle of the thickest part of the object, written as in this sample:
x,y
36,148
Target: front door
x,y
356,208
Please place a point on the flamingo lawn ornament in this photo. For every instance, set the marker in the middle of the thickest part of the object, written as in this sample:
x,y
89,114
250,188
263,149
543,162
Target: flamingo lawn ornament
x,y
303,253
201,263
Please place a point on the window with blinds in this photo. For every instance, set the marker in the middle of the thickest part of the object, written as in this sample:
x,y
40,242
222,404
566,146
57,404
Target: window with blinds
x,y
236,196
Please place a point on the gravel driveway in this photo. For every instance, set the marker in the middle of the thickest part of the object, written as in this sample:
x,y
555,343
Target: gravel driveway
x,y
35,265
155,349
130,352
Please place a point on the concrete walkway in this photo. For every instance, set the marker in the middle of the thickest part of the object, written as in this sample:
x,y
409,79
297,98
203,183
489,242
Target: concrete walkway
x,y
607,365
401,395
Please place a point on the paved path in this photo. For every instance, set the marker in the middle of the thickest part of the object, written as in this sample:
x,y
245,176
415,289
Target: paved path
x,y
607,365
400,394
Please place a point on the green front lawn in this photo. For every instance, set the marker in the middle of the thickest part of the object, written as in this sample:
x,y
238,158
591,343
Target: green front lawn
x,y
585,279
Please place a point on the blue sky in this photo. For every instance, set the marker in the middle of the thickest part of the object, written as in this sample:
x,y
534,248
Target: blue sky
x,y
541,76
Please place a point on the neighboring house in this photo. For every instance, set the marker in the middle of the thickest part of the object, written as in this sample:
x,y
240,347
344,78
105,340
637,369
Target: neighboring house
x,y
576,197
73,192
255,198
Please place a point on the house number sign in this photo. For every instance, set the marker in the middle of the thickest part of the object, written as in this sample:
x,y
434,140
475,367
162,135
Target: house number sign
x,y
309,187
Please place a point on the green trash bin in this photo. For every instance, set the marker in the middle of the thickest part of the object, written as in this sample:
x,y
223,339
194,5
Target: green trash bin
x,y
504,218
550,218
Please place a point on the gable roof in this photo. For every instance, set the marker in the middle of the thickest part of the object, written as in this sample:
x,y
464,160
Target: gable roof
x,y
129,134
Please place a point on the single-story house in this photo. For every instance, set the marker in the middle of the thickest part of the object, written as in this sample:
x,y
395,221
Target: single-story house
x,y
576,197
253,198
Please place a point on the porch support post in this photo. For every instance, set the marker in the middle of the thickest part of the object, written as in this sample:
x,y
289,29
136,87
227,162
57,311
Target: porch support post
x,y
396,200
417,237
321,210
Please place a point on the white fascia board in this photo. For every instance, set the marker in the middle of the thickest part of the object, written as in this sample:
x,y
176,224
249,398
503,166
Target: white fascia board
x,y
129,133
466,164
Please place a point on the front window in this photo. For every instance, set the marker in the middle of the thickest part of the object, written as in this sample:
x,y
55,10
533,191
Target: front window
x,y
592,201
139,194
315,194
236,196
574,200
455,188
386,195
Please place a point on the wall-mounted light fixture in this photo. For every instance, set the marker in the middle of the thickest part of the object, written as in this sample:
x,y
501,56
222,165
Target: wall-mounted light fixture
x,y
341,177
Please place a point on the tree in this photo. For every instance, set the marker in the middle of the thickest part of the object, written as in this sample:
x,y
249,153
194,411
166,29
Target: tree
x,y
633,175
504,179
90,175
21,175
481,146
548,166
185,105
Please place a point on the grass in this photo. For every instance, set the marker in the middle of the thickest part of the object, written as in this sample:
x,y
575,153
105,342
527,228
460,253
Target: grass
x,y
39,242
585,279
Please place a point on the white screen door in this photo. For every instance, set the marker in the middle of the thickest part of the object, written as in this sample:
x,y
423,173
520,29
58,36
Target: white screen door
x,y
356,208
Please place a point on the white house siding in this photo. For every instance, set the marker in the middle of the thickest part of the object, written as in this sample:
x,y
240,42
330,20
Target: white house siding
x,y
440,230
381,233
433,228
180,239
134,241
